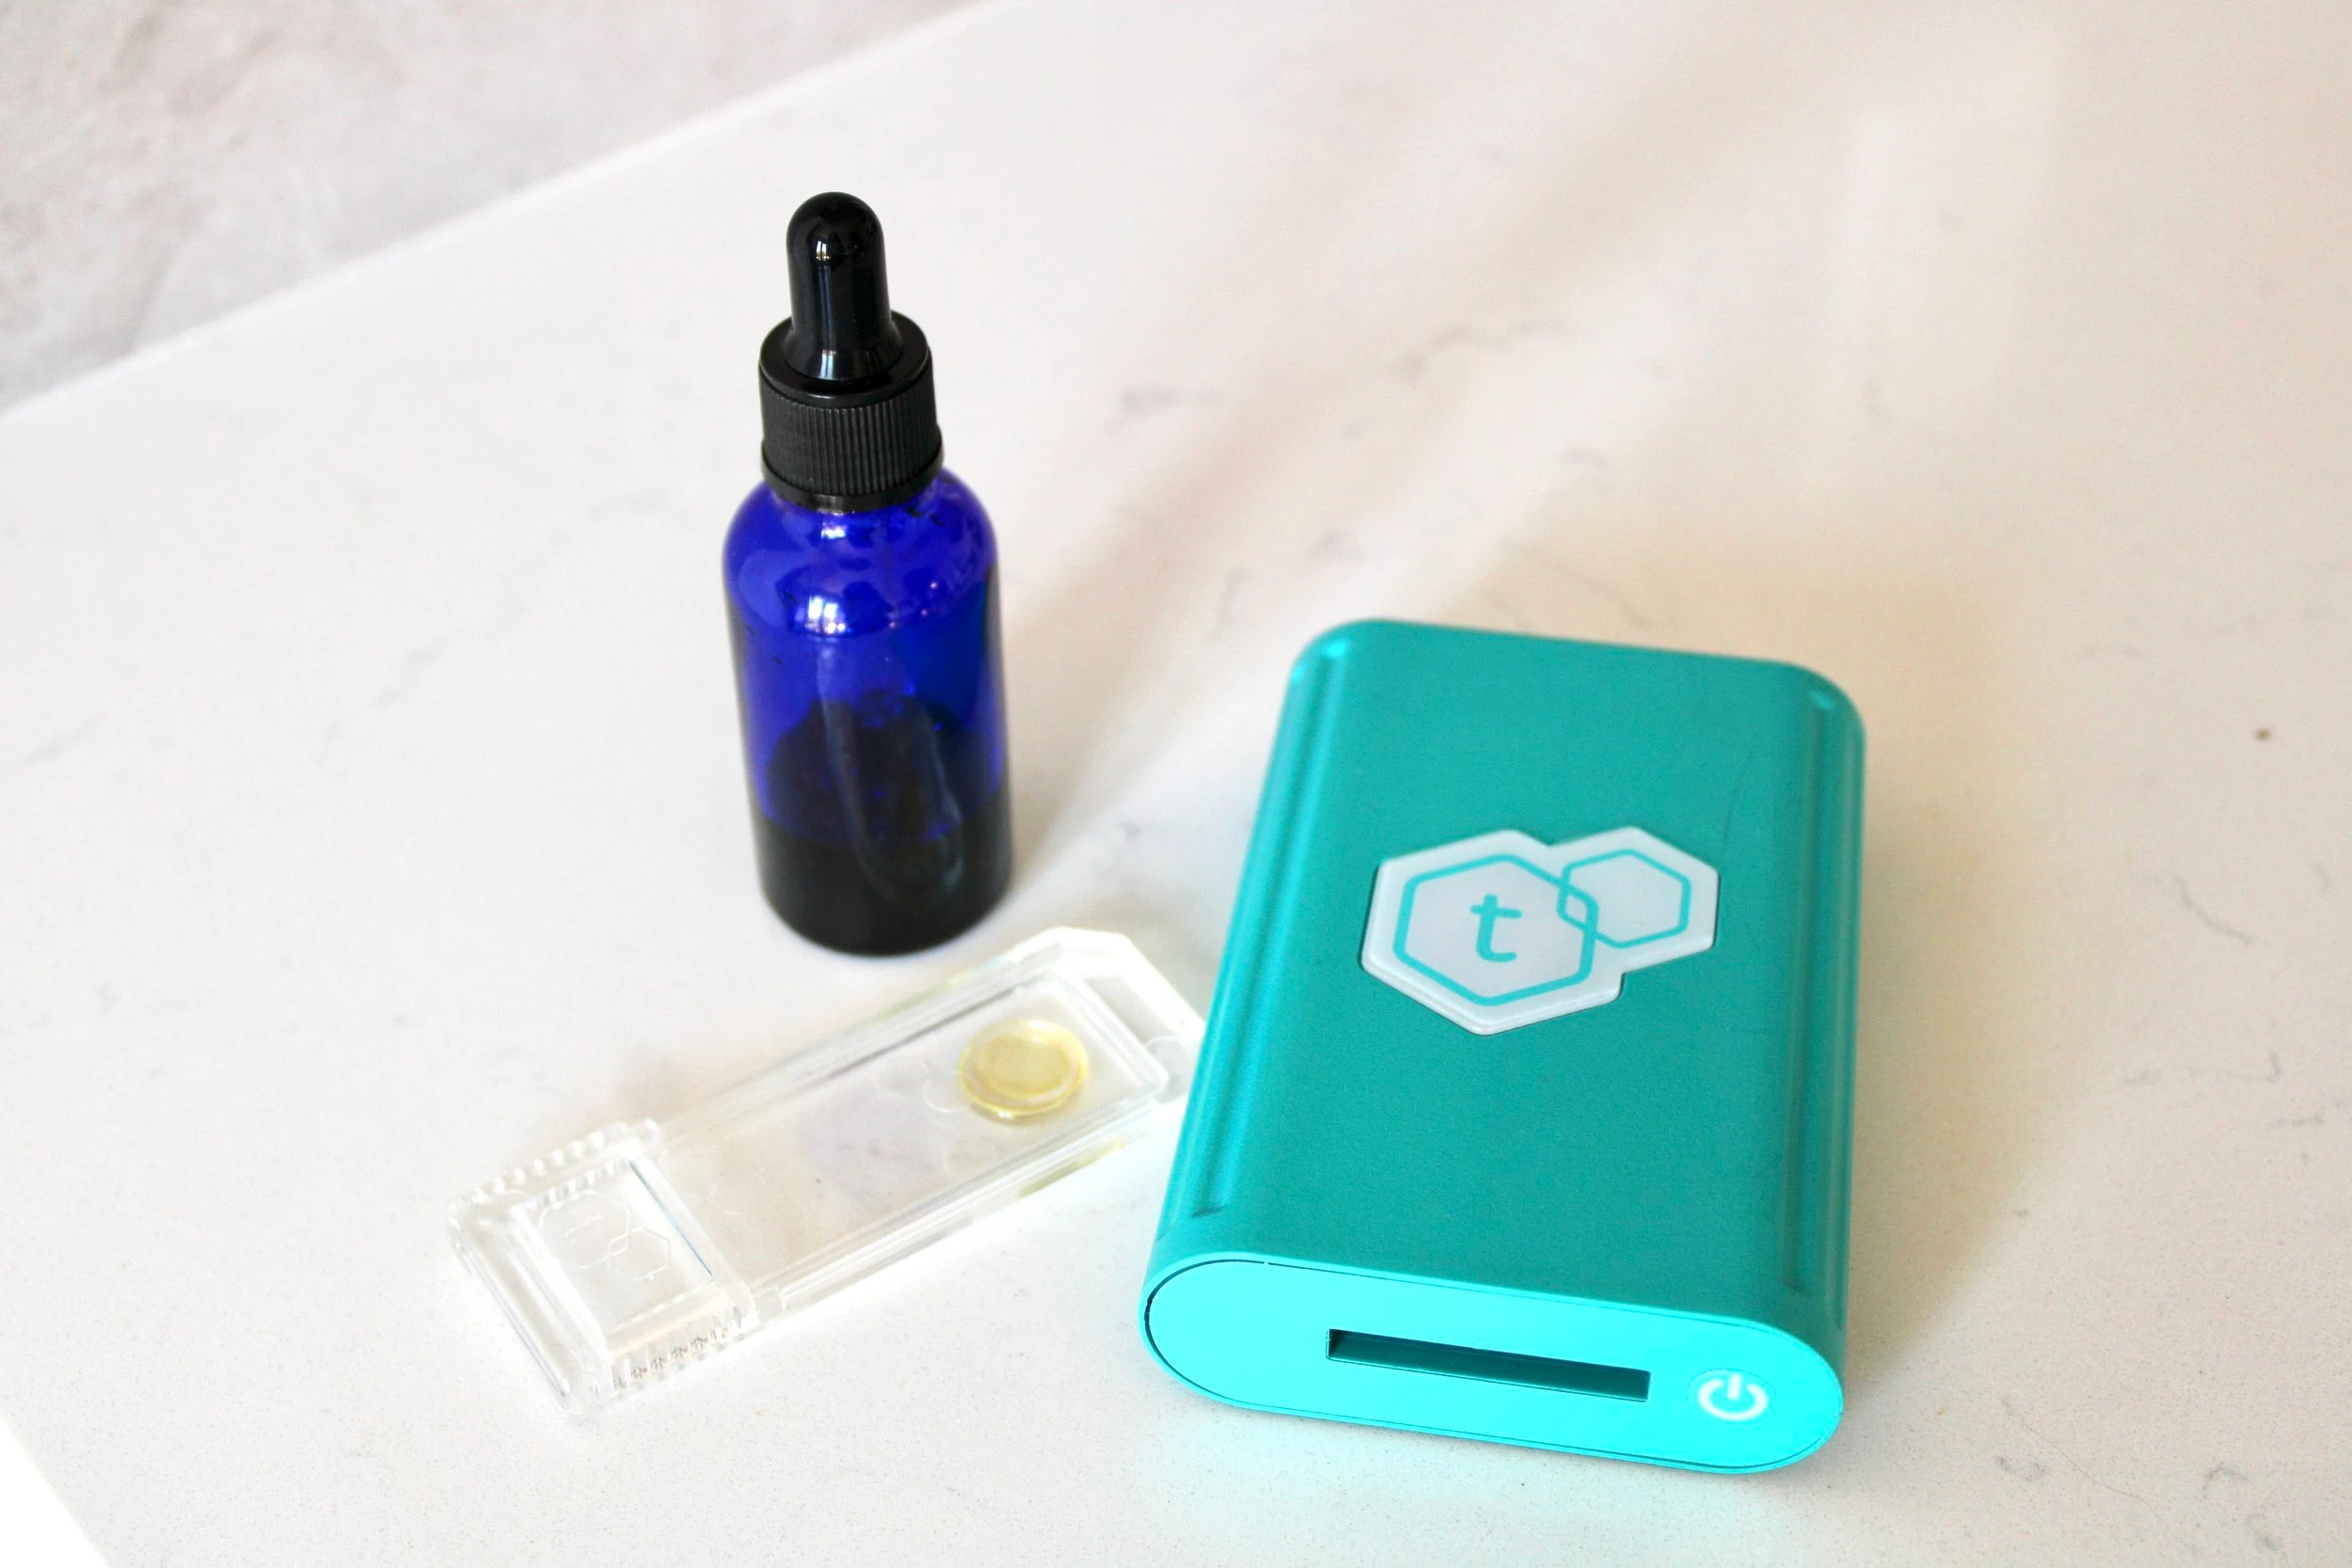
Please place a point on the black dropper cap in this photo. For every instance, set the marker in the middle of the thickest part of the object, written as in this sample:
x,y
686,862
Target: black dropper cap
x,y
845,383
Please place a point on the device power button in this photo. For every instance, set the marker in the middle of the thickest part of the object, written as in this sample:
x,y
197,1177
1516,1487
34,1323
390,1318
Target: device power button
x,y
1732,1396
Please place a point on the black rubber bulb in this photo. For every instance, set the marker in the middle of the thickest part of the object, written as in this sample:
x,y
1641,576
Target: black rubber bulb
x,y
841,329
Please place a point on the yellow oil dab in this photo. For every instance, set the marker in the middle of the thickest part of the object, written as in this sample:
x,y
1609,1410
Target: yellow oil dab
x,y
1023,1069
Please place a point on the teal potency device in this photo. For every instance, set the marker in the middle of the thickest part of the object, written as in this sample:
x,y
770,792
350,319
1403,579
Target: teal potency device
x,y
1524,1111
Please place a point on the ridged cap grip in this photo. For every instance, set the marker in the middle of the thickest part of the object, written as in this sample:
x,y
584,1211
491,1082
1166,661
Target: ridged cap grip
x,y
849,453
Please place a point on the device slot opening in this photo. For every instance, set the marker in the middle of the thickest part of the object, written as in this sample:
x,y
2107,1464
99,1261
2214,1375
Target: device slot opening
x,y
1490,1366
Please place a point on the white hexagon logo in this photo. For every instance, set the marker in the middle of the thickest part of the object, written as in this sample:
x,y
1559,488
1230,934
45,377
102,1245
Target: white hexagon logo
x,y
1499,930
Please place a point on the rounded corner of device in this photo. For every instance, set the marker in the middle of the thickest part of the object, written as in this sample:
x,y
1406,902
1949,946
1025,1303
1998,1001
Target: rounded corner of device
x,y
1826,1398
1835,698
1794,1456
1337,642
1159,1278
1824,693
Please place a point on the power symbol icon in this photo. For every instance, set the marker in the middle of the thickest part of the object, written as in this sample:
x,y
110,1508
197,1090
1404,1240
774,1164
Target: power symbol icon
x,y
1732,1396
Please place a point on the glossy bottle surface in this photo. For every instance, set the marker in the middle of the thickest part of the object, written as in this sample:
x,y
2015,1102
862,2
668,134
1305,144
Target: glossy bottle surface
x,y
866,668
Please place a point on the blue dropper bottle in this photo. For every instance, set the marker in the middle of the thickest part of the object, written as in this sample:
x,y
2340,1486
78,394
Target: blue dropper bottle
x,y
860,584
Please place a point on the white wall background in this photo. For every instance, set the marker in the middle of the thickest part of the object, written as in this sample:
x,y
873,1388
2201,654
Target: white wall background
x,y
165,161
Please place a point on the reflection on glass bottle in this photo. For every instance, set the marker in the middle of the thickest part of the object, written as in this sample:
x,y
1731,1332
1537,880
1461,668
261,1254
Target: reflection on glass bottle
x,y
905,829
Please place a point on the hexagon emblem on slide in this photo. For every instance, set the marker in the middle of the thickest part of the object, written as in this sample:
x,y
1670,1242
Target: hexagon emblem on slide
x,y
1499,930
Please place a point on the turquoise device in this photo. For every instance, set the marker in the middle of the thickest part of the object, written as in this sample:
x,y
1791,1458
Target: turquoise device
x,y
1524,1111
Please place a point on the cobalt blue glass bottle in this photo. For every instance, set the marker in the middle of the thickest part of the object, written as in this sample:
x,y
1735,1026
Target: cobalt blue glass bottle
x,y
861,591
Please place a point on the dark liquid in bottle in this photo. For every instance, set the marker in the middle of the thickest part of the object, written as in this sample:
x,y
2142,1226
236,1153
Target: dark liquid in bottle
x,y
908,836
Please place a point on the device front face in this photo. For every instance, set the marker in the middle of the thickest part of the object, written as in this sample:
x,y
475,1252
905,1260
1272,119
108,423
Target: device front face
x,y
1592,1377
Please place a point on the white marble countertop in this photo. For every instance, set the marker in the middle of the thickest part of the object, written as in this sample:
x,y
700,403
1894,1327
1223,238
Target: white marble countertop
x,y
370,815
